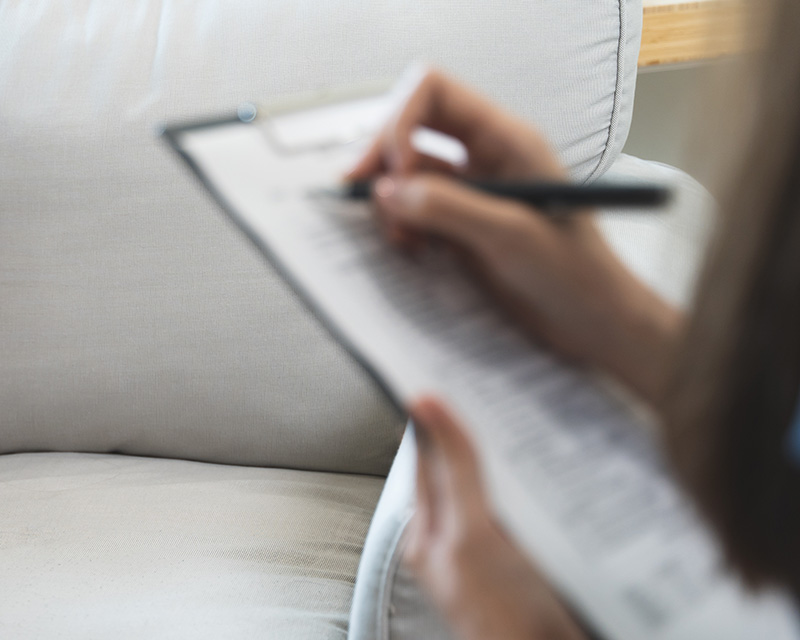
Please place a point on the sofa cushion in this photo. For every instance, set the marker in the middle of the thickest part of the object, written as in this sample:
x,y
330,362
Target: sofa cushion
x,y
134,318
102,546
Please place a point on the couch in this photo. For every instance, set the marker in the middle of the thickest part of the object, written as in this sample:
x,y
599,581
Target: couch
x,y
186,453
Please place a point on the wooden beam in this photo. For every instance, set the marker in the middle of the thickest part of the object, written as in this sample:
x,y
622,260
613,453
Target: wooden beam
x,y
693,31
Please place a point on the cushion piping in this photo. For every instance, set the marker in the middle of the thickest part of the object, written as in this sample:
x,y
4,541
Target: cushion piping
x,y
607,157
395,557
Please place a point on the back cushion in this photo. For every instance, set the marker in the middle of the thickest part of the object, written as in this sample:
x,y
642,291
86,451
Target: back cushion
x,y
133,317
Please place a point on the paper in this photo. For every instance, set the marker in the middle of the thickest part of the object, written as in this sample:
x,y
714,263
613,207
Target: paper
x,y
572,470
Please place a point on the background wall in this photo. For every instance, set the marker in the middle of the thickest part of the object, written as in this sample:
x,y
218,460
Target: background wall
x,y
681,116
664,114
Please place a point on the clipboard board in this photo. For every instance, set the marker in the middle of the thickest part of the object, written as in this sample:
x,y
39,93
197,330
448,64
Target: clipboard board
x,y
623,599
362,110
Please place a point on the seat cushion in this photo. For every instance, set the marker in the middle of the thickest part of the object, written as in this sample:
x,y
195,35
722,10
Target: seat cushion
x,y
106,546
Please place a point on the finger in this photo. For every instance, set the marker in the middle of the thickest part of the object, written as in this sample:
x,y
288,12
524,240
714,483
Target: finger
x,y
423,163
370,164
423,522
416,543
442,104
403,238
437,205
399,235
455,468
392,148
439,103
427,498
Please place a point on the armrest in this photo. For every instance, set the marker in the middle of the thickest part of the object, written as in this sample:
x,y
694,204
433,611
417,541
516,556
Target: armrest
x,y
369,614
665,248
386,601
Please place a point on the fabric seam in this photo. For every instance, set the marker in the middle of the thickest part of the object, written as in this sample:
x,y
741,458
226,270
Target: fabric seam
x,y
605,157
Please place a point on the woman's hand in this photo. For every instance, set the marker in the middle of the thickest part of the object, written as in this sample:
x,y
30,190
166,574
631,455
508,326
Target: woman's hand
x,y
478,578
558,279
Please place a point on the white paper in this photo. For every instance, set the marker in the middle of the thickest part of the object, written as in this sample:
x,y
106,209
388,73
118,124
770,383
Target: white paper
x,y
572,470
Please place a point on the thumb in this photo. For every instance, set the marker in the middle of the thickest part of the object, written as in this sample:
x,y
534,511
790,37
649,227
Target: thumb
x,y
458,483
438,205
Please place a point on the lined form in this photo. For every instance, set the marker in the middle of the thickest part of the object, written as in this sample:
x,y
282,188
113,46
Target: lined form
x,y
576,449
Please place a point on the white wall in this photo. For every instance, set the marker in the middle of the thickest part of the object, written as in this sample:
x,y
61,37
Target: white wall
x,y
662,114
674,117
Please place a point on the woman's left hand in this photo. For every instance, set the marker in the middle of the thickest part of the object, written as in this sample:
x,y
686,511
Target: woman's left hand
x,y
485,586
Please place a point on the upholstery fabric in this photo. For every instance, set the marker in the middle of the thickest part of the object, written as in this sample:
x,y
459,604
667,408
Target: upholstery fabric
x,y
134,318
387,602
666,251
96,546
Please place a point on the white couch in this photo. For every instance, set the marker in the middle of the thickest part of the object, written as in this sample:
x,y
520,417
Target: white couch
x,y
186,453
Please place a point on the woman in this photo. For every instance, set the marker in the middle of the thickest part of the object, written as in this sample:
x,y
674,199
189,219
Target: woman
x,y
726,379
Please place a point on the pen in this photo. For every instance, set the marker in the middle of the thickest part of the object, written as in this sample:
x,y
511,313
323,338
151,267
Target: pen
x,y
553,197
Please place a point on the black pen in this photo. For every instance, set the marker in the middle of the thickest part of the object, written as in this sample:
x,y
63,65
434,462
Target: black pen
x,y
552,197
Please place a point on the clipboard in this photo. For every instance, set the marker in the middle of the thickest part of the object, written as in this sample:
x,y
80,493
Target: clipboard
x,y
619,596
358,111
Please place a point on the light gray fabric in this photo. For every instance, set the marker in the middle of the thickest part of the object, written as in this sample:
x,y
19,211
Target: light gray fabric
x,y
134,318
569,65
369,616
665,249
387,602
94,547
143,323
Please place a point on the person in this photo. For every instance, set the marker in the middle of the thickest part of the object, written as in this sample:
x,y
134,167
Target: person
x,y
725,378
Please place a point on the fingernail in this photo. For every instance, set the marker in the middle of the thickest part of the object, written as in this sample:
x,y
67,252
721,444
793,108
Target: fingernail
x,y
384,188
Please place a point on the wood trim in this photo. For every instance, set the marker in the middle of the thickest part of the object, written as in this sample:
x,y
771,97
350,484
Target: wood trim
x,y
693,31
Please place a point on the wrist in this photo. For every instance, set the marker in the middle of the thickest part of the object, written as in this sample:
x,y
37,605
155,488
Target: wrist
x,y
643,335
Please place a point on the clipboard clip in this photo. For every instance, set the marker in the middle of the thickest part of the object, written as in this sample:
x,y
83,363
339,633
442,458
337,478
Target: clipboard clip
x,y
322,120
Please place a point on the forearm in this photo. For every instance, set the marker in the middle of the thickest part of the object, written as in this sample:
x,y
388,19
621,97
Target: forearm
x,y
641,341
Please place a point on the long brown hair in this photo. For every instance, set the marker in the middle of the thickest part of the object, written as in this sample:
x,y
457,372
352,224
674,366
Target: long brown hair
x,y
737,381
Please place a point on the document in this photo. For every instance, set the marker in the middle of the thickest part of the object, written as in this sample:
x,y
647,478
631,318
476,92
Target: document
x,y
575,474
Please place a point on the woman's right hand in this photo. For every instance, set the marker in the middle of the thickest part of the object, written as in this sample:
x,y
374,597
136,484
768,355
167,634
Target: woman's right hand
x,y
558,278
